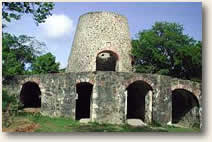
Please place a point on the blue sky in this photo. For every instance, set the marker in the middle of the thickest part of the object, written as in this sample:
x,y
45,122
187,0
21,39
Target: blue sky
x,y
58,31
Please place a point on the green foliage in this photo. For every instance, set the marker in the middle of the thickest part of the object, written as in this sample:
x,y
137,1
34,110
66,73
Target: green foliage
x,y
22,55
62,70
14,10
10,102
164,49
45,64
6,100
196,125
156,124
19,52
10,107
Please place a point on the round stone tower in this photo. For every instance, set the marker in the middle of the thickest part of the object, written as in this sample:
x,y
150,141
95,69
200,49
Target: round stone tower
x,y
101,43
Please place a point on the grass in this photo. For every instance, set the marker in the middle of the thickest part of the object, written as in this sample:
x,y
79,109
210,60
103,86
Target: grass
x,y
178,129
37,123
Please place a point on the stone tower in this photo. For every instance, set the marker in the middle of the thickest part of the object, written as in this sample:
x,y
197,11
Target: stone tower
x,y
101,43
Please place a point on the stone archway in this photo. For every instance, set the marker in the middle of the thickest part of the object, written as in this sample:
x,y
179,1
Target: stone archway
x,y
107,61
30,95
185,108
139,101
84,91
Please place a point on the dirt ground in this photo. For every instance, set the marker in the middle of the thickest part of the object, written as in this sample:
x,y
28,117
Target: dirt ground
x,y
22,125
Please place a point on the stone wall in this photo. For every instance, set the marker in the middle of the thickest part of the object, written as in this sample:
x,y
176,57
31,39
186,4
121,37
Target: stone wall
x,y
98,32
108,98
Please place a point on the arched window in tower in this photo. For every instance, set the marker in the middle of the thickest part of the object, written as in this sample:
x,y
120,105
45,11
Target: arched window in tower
x,y
106,61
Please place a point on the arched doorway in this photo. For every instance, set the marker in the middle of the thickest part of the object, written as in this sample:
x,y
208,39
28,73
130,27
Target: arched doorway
x,y
106,61
84,91
185,108
139,95
30,95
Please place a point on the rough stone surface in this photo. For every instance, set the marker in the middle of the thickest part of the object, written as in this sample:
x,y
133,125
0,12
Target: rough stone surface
x,y
135,122
84,121
98,32
106,36
108,99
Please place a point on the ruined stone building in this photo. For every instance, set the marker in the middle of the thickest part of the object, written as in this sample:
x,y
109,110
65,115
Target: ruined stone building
x,y
99,84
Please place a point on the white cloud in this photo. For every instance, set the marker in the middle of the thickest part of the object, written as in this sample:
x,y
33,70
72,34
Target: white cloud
x,y
57,26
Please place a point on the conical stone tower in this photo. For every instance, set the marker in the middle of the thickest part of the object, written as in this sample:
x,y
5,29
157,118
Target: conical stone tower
x,y
101,43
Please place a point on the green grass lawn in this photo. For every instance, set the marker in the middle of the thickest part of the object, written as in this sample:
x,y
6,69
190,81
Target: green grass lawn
x,y
177,129
47,124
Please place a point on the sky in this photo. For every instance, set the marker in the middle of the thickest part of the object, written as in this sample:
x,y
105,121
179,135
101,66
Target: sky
x,y
58,30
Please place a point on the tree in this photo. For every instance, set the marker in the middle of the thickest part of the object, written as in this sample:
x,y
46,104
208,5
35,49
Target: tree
x,y
164,49
14,10
45,64
23,55
18,52
62,70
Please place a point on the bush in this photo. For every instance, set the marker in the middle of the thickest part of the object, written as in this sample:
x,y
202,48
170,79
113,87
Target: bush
x,y
196,125
6,100
10,107
10,102
156,124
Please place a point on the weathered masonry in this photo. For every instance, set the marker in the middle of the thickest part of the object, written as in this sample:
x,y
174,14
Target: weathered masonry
x,y
102,42
111,97
99,84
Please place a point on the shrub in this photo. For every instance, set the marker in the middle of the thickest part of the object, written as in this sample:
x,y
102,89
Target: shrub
x,y
6,100
10,107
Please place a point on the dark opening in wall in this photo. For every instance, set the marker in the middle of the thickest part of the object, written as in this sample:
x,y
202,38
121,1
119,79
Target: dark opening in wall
x,y
84,91
106,61
136,93
30,95
182,102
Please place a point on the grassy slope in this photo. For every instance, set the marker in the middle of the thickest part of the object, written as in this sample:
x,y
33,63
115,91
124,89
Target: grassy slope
x,y
38,123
